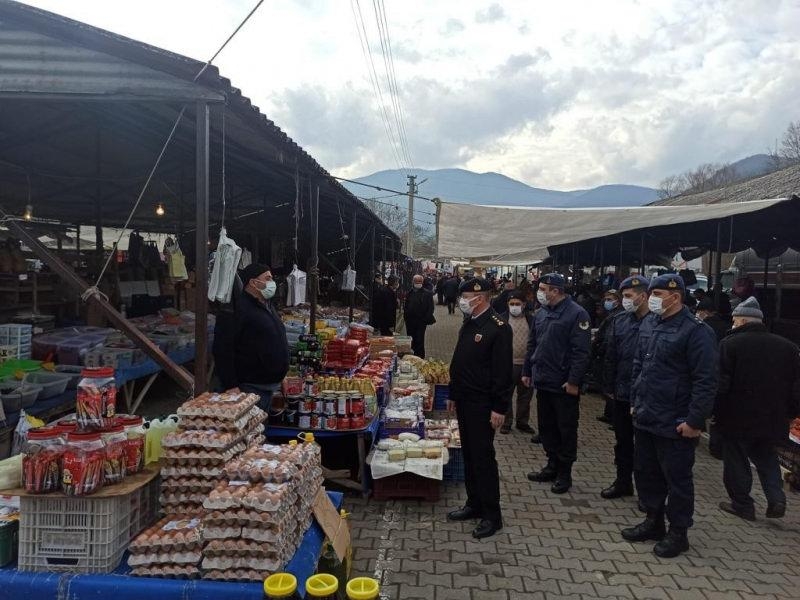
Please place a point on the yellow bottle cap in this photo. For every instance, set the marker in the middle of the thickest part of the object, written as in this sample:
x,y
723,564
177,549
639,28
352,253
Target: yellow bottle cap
x,y
309,438
321,585
362,588
280,585
293,442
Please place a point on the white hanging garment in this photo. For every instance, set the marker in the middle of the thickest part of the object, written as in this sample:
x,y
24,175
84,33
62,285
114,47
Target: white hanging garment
x,y
223,272
247,258
297,287
348,279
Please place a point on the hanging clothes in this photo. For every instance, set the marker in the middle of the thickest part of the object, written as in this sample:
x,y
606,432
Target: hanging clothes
x,y
176,261
223,271
296,282
247,258
348,279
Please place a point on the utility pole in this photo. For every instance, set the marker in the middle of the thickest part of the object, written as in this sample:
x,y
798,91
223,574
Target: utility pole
x,y
412,190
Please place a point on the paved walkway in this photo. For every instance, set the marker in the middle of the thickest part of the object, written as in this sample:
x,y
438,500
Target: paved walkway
x,y
569,546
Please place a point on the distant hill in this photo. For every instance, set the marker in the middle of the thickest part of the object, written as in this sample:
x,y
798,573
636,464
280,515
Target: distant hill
x,y
494,189
753,166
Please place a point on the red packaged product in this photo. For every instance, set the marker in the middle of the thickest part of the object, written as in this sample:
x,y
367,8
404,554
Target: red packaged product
x,y
134,444
114,440
41,461
83,461
96,400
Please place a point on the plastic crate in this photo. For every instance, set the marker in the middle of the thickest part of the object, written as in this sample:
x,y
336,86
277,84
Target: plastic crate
x,y
441,394
454,469
406,485
82,535
9,534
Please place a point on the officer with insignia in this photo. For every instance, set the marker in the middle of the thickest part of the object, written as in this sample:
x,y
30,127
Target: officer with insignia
x,y
481,385
623,332
674,385
556,364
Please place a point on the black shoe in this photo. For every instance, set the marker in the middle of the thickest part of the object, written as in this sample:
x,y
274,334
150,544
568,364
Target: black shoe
x,y
604,419
505,430
729,508
776,511
535,439
486,528
651,528
675,543
641,507
618,489
525,428
548,473
463,514
561,484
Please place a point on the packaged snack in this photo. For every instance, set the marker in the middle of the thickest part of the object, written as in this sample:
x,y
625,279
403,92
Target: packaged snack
x,y
134,444
42,460
83,463
114,465
96,399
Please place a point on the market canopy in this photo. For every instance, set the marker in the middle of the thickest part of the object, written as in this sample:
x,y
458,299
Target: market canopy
x,y
516,235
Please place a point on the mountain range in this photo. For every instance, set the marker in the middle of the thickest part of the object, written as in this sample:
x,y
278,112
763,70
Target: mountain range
x,y
495,189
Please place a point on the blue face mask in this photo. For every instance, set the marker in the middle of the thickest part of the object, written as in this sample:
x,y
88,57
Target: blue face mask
x,y
609,305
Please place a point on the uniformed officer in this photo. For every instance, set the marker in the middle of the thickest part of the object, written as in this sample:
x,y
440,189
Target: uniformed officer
x,y
674,385
481,385
623,331
555,364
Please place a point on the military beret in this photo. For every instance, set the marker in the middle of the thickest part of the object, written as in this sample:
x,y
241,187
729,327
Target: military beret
x,y
672,282
474,284
634,282
554,279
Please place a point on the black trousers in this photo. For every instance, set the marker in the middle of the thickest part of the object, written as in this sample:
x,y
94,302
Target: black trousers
x,y
451,305
417,332
480,466
558,426
440,297
623,449
738,478
664,476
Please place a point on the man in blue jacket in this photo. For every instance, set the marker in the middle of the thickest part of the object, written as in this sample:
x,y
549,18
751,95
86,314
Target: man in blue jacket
x,y
674,385
555,364
623,331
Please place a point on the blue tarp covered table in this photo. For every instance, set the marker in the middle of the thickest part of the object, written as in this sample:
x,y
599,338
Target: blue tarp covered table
x,y
121,586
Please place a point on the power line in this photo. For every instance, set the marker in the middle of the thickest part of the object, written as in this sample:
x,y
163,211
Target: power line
x,y
421,212
381,189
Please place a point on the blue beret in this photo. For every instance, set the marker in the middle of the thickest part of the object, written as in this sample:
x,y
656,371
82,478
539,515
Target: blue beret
x,y
554,279
476,284
672,282
634,282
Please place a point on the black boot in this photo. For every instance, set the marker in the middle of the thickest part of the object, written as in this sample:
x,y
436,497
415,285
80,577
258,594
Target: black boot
x,y
548,473
622,486
652,528
563,480
675,543
463,514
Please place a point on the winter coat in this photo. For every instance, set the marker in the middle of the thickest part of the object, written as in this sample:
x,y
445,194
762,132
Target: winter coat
x,y
622,336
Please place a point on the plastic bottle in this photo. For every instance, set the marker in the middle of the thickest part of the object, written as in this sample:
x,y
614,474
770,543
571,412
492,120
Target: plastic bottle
x,y
157,430
363,588
281,586
323,586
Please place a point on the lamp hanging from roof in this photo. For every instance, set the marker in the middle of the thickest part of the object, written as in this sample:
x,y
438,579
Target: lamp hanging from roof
x,y
28,214
160,210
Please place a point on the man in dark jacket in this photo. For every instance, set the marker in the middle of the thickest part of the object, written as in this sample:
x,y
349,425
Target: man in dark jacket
x,y
450,288
674,384
520,321
418,313
620,345
260,348
709,315
555,364
759,394
480,392
612,306
383,312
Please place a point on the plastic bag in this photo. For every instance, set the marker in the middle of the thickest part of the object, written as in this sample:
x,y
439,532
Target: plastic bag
x,y
348,280
26,423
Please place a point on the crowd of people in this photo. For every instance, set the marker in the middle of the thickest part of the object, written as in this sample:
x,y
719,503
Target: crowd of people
x,y
665,370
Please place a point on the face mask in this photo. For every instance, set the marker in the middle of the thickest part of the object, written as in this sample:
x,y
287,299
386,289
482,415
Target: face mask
x,y
269,290
465,306
417,286
541,297
609,305
515,310
628,304
656,305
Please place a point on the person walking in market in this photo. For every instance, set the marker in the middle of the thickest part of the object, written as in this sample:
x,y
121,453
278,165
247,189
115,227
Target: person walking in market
x,y
383,309
758,396
450,288
520,321
481,385
555,364
623,333
674,384
418,314
711,317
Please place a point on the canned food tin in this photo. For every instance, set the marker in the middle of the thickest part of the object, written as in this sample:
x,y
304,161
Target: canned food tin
x,y
330,406
357,405
357,422
319,406
343,423
322,422
304,421
314,418
331,423
343,406
308,406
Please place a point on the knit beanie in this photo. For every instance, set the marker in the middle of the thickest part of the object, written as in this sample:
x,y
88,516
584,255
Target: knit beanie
x,y
748,308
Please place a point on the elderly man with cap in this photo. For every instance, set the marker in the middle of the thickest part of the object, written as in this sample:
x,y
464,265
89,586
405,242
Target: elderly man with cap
x,y
481,385
555,364
623,332
418,314
674,384
759,393
259,345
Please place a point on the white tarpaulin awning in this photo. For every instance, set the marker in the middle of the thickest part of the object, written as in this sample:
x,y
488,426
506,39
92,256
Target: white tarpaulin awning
x,y
512,235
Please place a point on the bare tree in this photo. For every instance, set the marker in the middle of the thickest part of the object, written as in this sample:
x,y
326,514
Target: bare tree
x,y
671,186
776,161
790,145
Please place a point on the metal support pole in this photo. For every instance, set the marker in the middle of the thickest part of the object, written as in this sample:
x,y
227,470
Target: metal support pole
x,y
718,268
779,288
313,261
383,257
372,265
412,189
641,256
201,248
353,233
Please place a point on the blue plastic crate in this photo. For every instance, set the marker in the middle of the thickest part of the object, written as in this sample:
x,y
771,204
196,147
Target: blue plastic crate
x,y
441,394
454,469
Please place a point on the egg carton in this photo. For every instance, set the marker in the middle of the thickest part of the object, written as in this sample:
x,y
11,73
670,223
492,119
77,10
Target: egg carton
x,y
192,470
174,532
260,470
243,548
268,497
244,562
198,456
245,517
168,571
188,484
178,498
229,406
190,557
238,575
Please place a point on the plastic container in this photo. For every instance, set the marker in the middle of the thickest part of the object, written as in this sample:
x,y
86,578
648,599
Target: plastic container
x,y
53,384
281,586
83,463
9,540
157,430
26,366
114,465
323,586
75,373
10,472
41,463
363,588
135,434
16,395
96,400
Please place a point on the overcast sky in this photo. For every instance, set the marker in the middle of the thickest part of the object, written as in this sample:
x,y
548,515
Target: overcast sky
x,y
562,95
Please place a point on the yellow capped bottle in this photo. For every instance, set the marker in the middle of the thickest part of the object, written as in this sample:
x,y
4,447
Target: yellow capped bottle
x,y
322,586
281,586
363,588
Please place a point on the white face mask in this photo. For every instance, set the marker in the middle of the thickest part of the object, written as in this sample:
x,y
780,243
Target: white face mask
x,y
515,310
466,305
629,304
541,297
269,290
656,305
417,286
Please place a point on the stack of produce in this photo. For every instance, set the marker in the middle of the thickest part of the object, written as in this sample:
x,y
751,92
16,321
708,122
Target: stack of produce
x,y
445,430
382,346
212,429
435,371
344,353
170,548
258,514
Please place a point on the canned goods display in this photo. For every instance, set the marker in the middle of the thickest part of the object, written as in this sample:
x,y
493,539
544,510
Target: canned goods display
x,y
357,405
322,421
330,406
331,423
343,405
314,421
290,418
357,422
343,423
304,421
308,406
319,406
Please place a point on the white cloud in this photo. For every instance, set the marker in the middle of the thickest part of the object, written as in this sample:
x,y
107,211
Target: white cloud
x,y
563,95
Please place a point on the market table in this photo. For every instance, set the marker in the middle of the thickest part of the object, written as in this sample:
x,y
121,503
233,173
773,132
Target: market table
x,y
126,377
361,435
122,586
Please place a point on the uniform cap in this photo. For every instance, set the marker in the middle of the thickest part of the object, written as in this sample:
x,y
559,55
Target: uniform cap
x,y
475,284
634,282
554,279
672,282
